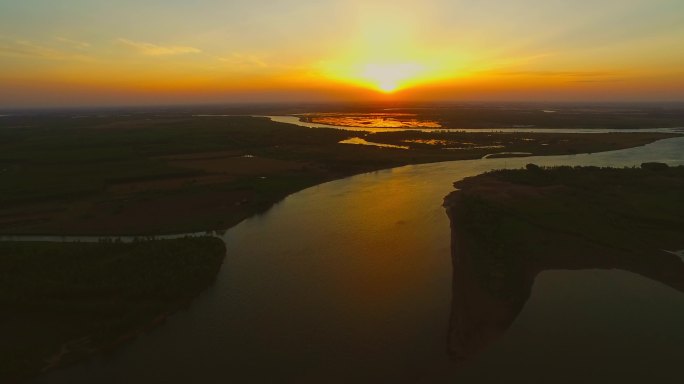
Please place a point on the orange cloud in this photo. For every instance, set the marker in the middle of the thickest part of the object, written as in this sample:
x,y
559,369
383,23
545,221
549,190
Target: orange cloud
x,y
149,49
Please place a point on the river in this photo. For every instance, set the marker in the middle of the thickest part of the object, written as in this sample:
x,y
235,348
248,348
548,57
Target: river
x,y
350,281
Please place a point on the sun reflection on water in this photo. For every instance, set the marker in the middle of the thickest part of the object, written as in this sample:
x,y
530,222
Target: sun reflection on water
x,y
374,120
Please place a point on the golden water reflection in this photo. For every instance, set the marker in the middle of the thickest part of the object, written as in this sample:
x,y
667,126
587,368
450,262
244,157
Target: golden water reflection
x,y
360,141
373,120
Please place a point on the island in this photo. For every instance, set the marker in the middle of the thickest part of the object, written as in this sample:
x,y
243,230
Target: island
x,y
508,226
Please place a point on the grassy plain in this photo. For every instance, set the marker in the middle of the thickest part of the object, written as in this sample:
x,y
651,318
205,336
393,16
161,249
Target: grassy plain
x,y
149,174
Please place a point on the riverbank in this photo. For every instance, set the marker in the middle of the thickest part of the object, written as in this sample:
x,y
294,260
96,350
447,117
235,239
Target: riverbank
x,y
61,303
510,225
151,175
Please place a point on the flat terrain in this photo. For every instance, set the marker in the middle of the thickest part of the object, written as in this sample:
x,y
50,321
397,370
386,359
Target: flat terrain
x,y
62,302
150,174
571,216
510,225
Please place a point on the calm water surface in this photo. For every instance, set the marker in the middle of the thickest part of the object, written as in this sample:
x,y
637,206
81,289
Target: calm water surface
x,y
351,281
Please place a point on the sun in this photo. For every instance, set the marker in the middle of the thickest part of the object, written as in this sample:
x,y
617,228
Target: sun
x,y
389,77
384,77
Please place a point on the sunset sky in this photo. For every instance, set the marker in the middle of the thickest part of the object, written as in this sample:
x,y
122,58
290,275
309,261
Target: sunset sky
x,y
93,52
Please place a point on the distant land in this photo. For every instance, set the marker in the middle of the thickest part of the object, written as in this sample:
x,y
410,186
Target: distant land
x,y
140,172
451,115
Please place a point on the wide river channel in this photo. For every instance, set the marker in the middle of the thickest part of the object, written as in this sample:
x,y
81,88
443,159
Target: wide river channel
x,y
351,282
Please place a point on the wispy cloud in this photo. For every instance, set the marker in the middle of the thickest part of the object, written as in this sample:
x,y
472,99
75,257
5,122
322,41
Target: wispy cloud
x,y
72,43
592,74
612,80
242,60
572,76
29,49
149,49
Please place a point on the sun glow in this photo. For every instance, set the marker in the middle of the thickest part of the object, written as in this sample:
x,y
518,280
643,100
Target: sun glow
x,y
383,77
389,78
387,55
391,75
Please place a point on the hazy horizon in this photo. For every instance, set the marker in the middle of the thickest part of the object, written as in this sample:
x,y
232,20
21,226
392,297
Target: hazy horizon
x,y
237,107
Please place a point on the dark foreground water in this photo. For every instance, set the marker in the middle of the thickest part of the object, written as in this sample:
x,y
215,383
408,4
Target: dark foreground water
x,y
351,281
